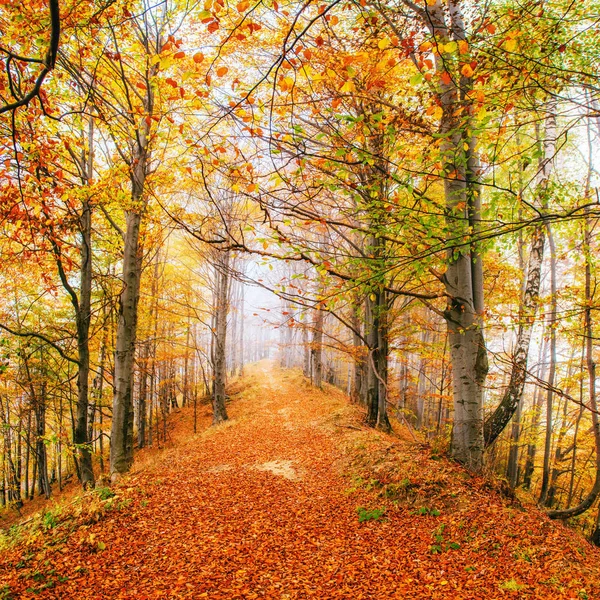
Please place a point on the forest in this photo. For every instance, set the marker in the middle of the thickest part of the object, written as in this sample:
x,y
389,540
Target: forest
x,y
385,207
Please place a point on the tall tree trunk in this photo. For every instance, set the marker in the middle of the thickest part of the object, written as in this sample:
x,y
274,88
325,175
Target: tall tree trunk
x,y
551,374
316,351
142,419
512,470
535,419
589,500
376,317
42,455
220,336
121,446
463,276
358,375
81,437
307,352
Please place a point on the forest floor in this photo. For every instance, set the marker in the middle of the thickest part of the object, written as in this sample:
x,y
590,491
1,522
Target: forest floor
x,y
294,498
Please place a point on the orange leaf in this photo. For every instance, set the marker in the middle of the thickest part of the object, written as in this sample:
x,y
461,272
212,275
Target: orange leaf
x,y
222,71
198,57
212,27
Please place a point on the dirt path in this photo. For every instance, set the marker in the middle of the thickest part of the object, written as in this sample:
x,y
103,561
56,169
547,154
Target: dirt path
x,y
259,508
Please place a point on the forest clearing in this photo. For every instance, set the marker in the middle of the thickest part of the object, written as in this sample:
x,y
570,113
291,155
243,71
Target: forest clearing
x,y
294,497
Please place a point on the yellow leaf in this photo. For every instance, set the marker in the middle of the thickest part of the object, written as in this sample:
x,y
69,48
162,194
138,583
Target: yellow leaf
x,y
510,45
438,112
348,87
384,43
450,47
373,297
425,46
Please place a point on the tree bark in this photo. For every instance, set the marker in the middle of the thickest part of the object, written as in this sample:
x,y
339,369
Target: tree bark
x,y
83,311
513,394
551,375
316,351
589,500
220,337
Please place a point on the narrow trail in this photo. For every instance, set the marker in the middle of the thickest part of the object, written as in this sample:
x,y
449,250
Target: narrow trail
x,y
260,507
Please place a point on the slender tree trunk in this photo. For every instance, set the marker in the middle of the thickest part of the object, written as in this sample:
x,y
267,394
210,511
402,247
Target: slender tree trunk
x,y
589,500
42,456
81,437
535,419
142,420
512,471
220,337
551,374
317,349
307,352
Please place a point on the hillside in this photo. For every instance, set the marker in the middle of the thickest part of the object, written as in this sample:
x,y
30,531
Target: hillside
x,y
293,498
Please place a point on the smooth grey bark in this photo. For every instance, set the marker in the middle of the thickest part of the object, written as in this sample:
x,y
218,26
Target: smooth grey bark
x,y
512,468
121,447
376,331
83,315
40,445
221,305
463,276
422,384
316,351
241,348
142,414
150,31
307,352
357,390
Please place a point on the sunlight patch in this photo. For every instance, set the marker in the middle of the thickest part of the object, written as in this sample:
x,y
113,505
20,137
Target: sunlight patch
x,y
282,468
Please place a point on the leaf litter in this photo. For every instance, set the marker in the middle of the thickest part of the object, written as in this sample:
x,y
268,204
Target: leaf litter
x,y
323,509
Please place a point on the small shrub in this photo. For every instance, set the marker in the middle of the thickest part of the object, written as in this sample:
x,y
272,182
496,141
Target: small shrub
x,y
425,510
49,520
104,493
375,514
